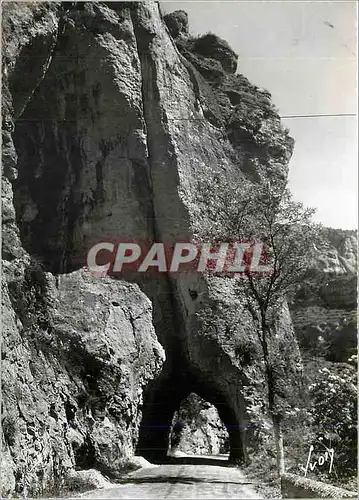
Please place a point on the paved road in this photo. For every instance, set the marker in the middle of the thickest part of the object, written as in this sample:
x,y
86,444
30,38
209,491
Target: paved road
x,y
195,480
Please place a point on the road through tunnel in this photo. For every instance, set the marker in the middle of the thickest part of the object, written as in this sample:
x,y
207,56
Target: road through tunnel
x,y
179,419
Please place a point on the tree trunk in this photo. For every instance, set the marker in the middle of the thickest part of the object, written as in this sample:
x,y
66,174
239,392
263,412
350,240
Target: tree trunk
x,y
264,335
276,419
278,438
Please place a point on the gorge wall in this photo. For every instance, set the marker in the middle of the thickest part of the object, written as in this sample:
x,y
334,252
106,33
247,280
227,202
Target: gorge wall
x,y
324,310
324,315
111,114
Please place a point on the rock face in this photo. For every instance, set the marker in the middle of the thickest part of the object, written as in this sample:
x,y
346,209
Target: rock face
x,y
106,138
177,23
197,429
324,311
77,353
324,315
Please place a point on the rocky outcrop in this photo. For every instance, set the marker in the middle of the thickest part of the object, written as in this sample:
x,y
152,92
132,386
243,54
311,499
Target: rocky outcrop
x,y
76,351
211,46
324,310
177,23
337,255
229,101
76,355
197,429
107,139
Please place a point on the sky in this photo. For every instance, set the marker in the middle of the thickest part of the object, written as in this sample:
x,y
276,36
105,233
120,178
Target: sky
x,y
304,53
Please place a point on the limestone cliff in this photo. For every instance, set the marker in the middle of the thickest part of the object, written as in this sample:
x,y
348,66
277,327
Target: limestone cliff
x,y
109,119
76,354
324,311
324,314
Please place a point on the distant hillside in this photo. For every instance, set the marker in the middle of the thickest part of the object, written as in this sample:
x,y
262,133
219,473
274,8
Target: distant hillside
x,y
324,311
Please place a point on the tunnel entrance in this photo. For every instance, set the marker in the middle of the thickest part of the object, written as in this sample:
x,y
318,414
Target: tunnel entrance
x,y
182,416
197,429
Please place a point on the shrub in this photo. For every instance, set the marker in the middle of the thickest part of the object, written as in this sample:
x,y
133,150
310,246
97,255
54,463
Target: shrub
x,y
334,415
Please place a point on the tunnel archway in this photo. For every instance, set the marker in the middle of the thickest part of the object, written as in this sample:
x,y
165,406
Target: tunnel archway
x,y
161,402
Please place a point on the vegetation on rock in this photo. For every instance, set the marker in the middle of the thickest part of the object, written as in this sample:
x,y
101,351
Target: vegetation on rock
x,y
86,138
244,212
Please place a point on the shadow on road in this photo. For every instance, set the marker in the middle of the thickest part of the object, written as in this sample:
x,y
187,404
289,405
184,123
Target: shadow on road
x,y
219,462
177,479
